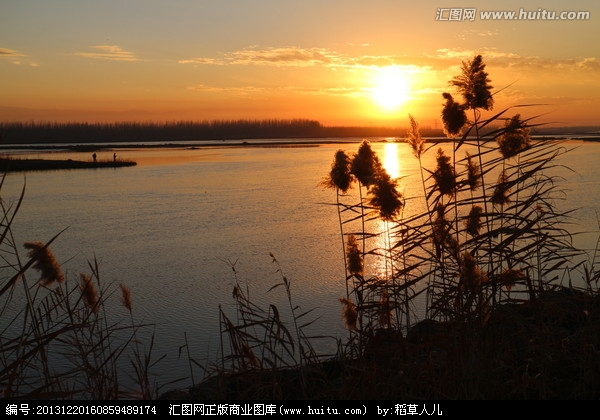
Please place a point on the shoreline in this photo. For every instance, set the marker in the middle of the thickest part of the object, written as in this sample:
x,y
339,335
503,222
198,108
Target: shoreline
x,y
21,165
312,142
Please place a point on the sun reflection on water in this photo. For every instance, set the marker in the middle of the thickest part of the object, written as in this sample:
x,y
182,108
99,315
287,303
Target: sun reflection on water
x,y
380,265
391,161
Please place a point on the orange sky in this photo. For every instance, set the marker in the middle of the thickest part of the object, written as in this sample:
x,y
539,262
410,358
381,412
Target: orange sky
x,y
339,62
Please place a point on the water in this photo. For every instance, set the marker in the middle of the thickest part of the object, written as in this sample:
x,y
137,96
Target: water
x,y
173,227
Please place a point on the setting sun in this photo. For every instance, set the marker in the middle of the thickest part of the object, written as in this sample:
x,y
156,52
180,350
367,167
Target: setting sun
x,y
391,88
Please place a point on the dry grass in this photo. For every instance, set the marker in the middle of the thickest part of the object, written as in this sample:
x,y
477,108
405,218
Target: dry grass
x,y
58,340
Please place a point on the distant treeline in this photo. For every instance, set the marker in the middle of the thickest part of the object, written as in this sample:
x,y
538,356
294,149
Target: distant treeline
x,y
54,132
47,132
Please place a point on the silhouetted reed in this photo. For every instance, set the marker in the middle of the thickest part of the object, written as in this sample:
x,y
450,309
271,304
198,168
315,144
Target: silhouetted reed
x,y
485,256
415,140
444,174
473,173
366,164
349,314
45,263
501,196
471,259
126,297
354,256
453,116
89,293
340,176
385,197
474,84
515,137
473,223
57,341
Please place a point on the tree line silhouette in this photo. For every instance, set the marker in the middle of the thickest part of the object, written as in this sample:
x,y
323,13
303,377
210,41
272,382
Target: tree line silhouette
x,y
75,132
84,132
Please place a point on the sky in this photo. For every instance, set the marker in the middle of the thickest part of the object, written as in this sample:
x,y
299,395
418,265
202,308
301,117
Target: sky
x,y
341,62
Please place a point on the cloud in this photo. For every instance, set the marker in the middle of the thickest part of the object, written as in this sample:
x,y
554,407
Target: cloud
x,y
109,52
487,53
443,61
281,57
306,57
243,90
533,63
284,56
8,53
247,90
202,61
336,91
16,57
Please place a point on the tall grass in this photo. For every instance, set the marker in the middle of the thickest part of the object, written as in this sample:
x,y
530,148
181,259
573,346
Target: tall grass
x,y
59,338
490,233
483,250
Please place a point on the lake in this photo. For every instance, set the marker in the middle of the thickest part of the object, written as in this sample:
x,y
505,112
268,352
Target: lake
x,y
173,227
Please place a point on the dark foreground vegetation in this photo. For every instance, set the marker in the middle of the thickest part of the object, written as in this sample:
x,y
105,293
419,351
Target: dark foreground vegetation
x,y
512,309
11,164
545,348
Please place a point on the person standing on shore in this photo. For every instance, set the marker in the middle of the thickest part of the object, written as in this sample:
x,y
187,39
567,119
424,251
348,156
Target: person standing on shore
x,y
94,157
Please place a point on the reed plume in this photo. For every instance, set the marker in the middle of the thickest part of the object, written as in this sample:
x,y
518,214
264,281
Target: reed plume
x,y
353,256
473,173
339,176
473,221
386,197
500,196
89,293
444,174
515,138
440,229
349,314
416,142
365,164
126,297
453,116
45,263
471,276
474,84
511,276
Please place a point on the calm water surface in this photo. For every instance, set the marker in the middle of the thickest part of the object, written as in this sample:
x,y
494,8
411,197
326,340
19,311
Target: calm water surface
x,y
173,227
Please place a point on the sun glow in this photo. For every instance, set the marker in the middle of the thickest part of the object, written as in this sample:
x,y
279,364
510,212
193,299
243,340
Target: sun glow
x,y
391,88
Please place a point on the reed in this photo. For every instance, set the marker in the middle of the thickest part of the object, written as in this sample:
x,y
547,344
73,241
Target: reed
x,y
59,340
480,246
487,255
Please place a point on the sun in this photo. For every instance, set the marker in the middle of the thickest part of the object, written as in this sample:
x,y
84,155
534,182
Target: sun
x,y
391,88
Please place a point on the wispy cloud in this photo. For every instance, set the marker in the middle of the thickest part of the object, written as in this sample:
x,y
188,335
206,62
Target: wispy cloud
x,y
247,90
8,53
331,91
109,52
284,57
302,57
243,90
507,59
202,61
16,57
440,60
